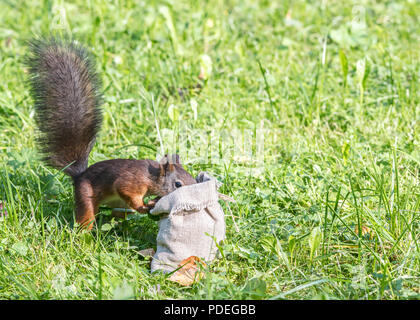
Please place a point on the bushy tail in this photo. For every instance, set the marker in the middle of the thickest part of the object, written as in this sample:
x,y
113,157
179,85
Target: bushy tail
x,y
66,90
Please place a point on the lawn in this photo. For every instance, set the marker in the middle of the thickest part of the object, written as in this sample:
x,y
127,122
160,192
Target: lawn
x,y
307,111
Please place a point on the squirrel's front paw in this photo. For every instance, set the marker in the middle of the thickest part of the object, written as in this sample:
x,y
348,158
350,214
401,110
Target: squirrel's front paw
x,y
152,203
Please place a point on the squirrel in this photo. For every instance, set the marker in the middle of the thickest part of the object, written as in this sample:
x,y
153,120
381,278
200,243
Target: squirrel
x,y
67,96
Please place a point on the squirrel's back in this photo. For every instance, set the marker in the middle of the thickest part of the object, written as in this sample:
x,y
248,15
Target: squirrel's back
x,y
66,91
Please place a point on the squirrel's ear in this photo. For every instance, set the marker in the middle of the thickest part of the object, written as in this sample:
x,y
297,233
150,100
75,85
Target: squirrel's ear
x,y
176,159
166,165
173,158
164,160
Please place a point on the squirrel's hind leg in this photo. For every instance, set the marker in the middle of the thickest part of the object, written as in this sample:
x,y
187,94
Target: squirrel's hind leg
x,y
86,204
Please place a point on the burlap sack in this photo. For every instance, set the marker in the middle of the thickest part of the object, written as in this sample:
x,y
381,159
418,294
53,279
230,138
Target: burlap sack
x,y
191,224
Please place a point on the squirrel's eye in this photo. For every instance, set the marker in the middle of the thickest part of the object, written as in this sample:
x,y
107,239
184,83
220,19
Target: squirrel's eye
x,y
178,184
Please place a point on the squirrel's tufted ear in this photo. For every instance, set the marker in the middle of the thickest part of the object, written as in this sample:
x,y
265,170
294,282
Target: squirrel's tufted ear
x,y
176,159
164,160
166,164
173,158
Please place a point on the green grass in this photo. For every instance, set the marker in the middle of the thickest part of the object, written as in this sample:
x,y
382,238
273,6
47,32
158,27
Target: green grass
x,y
330,210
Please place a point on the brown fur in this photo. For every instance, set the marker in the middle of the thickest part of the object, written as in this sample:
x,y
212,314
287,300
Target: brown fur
x,y
126,182
125,179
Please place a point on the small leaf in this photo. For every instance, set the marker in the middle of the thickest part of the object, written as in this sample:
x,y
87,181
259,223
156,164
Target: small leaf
x,y
106,227
256,288
173,112
362,72
206,67
124,291
366,74
189,271
344,66
345,150
292,243
268,244
314,241
20,248
342,36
